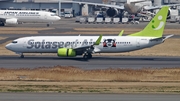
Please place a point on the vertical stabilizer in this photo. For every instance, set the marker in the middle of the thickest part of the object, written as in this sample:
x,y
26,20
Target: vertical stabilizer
x,y
156,26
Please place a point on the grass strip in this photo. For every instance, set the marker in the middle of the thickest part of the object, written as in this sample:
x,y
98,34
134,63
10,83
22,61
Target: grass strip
x,y
68,79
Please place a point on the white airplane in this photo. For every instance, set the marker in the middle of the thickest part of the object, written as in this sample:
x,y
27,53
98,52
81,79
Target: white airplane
x,y
15,16
131,6
71,46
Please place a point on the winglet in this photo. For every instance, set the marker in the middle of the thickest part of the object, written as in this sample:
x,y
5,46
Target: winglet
x,y
98,40
121,33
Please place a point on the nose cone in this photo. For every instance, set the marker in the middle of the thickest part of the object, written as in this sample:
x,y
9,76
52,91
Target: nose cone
x,y
58,18
8,46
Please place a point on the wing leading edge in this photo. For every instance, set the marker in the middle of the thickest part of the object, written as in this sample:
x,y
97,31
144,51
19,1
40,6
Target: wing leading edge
x,y
98,41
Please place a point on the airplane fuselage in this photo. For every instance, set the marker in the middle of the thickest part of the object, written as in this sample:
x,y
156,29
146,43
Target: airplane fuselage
x,y
108,44
28,16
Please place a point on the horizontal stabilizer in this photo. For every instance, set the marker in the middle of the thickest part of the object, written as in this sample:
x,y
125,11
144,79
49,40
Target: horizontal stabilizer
x,y
168,36
162,38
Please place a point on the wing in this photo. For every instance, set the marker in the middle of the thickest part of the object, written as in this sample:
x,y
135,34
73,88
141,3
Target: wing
x,y
89,48
158,7
147,14
96,4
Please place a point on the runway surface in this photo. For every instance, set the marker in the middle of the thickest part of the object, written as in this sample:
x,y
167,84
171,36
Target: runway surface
x,y
98,62
86,97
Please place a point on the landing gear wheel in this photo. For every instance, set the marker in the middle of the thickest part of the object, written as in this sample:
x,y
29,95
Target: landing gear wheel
x,y
48,25
2,24
89,56
22,56
85,57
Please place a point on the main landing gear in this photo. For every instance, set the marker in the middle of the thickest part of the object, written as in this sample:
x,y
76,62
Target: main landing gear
x,y
87,56
48,25
22,56
2,23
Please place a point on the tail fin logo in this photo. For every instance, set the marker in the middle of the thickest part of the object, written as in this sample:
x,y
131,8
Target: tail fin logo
x,y
161,24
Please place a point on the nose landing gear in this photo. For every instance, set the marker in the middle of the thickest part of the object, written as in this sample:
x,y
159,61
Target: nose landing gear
x,y
48,24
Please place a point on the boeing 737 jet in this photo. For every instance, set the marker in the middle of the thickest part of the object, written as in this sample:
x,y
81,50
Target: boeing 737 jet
x,y
71,46
15,16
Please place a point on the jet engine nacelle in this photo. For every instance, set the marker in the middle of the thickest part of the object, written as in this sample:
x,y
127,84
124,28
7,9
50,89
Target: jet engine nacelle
x,y
172,12
11,21
169,14
65,52
111,12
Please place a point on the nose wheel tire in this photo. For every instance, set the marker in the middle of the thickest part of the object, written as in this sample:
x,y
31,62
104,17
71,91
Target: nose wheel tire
x,y
89,56
48,25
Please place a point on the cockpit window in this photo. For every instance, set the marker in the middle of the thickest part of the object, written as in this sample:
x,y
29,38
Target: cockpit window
x,y
14,41
53,14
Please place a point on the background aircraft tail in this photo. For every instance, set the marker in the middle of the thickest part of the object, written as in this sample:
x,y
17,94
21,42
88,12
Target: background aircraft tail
x,y
155,28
